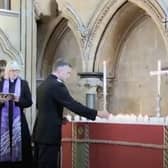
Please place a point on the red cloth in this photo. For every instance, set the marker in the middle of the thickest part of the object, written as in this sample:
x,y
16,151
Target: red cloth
x,y
117,155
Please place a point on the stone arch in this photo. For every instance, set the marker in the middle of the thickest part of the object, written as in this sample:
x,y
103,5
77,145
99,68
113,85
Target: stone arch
x,y
89,36
158,11
42,44
58,28
9,51
105,14
66,20
129,88
80,30
123,22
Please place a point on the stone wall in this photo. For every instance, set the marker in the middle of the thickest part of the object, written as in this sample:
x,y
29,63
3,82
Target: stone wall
x,y
130,35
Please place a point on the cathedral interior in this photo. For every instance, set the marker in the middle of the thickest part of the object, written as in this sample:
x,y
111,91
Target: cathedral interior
x,y
131,36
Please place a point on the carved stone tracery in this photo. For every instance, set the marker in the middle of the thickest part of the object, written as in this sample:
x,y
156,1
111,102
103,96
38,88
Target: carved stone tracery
x,y
91,33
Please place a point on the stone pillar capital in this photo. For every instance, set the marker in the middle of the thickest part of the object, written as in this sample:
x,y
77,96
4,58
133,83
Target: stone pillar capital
x,y
91,84
90,81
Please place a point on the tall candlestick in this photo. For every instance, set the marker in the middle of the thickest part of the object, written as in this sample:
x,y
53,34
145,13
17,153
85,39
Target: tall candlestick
x,y
159,77
104,85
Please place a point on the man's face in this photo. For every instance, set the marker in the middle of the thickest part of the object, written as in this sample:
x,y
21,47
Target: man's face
x,y
13,74
65,72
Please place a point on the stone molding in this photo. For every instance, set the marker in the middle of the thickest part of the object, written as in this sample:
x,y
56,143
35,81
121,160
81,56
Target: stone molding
x,y
8,48
76,24
103,16
158,10
5,12
90,34
81,27
56,36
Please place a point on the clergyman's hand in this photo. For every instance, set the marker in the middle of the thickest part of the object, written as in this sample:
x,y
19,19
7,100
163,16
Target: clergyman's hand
x,y
103,114
16,99
3,100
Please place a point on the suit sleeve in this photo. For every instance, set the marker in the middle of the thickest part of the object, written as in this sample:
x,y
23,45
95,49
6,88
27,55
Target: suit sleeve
x,y
61,94
25,99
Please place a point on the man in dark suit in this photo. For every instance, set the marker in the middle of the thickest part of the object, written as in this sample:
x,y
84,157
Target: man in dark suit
x,y
52,97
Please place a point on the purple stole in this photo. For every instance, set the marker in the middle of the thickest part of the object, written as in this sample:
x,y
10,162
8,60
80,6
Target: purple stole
x,y
10,150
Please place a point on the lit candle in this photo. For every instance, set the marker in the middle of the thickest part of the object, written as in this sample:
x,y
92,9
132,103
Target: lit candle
x,y
104,84
69,117
76,118
140,118
166,120
146,119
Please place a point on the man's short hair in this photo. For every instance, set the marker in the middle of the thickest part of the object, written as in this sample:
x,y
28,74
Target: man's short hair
x,y
61,63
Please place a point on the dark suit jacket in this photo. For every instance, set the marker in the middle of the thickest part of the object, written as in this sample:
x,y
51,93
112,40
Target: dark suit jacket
x,y
52,96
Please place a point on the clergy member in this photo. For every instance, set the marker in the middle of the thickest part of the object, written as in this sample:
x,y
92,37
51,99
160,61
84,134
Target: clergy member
x,y
15,146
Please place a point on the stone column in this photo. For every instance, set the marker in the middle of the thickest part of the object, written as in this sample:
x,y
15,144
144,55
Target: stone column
x,y
6,4
91,97
91,81
28,50
91,85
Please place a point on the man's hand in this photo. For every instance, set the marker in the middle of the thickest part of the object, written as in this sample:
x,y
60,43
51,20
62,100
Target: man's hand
x,y
103,114
5,98
64,120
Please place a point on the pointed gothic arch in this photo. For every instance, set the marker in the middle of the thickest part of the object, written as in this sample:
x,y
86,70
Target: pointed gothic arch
x,y
89,36
48,51
121,33
58,27
99,23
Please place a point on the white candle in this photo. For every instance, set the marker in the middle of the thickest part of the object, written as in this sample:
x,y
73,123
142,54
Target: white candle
x,y
166,120
69,117
83,119
140,118
146,119
104,85
76,118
